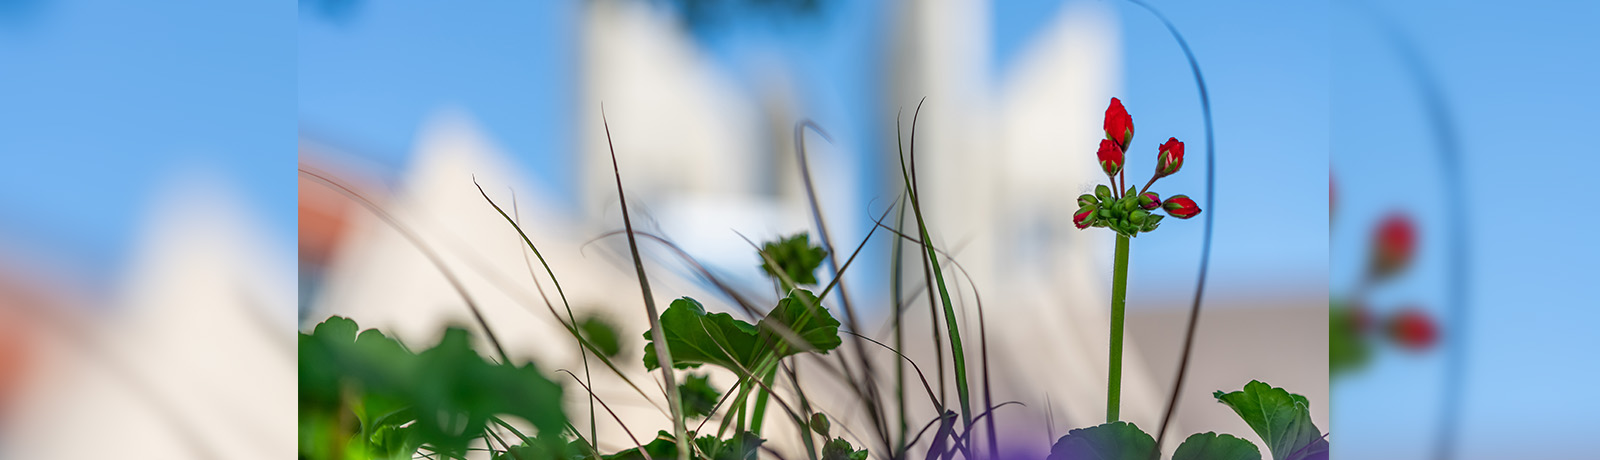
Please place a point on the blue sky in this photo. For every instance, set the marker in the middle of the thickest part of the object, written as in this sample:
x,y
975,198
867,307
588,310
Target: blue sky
x,y
1522,104
119,100
371,79
105,103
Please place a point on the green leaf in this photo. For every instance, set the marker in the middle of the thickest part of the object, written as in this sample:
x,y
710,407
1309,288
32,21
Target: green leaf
x,y
840,449
742,446
662,447
800,323
697,338
1212,446
602,334
1281,418
1111,441
543,449
457,391
391,442
698,396
442,397
1348,348
795,256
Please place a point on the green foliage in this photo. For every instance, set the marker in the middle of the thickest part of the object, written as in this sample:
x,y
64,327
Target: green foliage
x,y
662,447
602,334
740,446
1110,441
819,424
699,397
1347,349
572,450
441,398
697,338
795,256
1212,446
1281,418
798,324
839,449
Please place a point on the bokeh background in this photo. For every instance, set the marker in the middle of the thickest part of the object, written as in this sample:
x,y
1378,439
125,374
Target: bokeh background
x,y
413,103
157,252
1427,95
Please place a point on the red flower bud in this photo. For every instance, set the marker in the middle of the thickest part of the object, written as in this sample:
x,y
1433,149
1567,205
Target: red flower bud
x,y
1150,200
1170,158
1110,157
1394,243
1084,217
1413,329
1181,207
1119,126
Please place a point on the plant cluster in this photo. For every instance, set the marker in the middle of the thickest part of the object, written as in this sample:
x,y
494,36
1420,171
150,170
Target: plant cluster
x,y
364,395
1128,211
1353,332
1282,419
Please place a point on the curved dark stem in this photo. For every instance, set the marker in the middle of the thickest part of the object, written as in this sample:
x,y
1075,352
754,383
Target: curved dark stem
x,y
416,241
613,413
968,432
700,269
877,413
1205,245
937,404
1453,182
951,415
594,430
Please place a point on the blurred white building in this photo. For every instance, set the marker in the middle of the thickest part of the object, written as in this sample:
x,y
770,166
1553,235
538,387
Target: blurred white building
x,y
1000,163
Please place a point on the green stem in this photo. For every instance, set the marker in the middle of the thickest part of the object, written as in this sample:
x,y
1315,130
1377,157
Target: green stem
x,y
1119,300
760,412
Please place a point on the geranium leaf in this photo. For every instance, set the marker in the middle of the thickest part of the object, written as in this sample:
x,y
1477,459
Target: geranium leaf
x,y
801,324
795,256
1111,441
1281,418
697,338
840,449
1212,446
601,334
699,397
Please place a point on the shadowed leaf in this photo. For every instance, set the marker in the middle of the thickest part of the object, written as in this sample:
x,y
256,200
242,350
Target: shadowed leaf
x,y
699,397
795,256
697,338
839,449
1212,446
1111,441
798,324
1281,418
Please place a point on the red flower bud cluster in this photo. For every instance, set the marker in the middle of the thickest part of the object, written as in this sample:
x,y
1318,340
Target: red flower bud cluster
x,y
1127,209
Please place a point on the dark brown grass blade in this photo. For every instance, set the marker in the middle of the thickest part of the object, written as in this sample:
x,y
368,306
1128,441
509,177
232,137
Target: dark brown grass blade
x,y
871,384
594,397
656,333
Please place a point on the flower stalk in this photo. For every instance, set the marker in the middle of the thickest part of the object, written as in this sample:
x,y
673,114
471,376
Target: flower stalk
x,y
1129,213
1119,301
